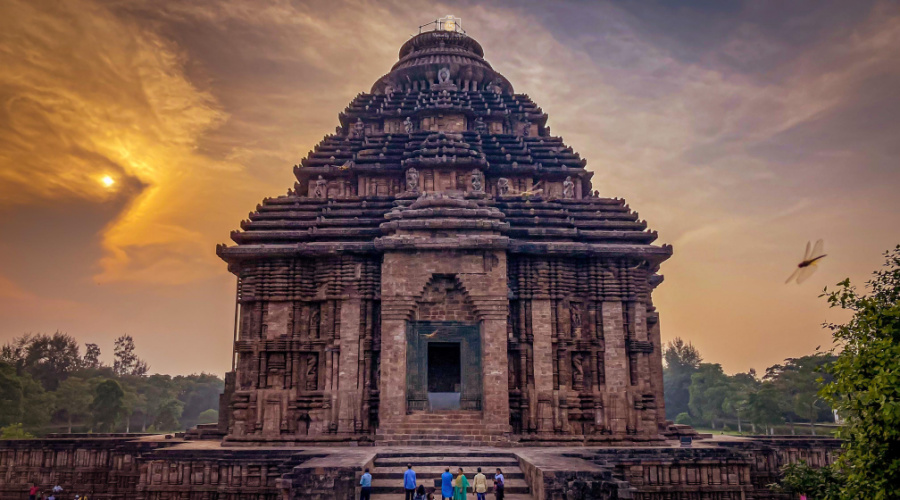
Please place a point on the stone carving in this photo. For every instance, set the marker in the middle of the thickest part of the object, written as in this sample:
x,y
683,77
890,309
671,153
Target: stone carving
x,y
480,126
503,186
443,76
312,372
575,310
477,181
526,128
412,180
359,129
408,125
568,188
321,188
577,372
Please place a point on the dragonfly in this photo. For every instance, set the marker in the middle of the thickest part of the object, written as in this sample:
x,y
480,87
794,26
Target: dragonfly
x,y
809,264
532,191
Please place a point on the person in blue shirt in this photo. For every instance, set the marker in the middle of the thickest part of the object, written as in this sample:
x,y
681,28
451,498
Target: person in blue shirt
x,y
366,486
409,482
447,485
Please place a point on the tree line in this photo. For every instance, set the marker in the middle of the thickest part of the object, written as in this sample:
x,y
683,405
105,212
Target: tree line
x,y
703,395
48,385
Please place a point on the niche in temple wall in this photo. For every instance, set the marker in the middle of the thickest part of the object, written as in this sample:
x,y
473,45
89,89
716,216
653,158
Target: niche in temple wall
x,y
444,123
279,316
394,126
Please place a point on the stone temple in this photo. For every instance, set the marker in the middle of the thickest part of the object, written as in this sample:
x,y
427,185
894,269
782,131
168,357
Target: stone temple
x,y
442,286
442,250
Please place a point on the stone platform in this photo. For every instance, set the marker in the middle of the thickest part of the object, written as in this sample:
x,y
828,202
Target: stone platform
x,y
167,468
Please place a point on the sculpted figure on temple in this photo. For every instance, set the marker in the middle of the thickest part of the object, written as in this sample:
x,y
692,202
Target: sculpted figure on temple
x,y
477,181
412,180
576,320
568,188
503,186
480,126
312,372
321,187
408,125
526,128
443,75
577,372
359,129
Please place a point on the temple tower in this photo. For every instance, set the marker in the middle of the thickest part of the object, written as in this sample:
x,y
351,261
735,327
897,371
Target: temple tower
x,y
443,254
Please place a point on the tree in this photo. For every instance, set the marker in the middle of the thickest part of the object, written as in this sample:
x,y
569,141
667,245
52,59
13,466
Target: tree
x,y
708,390
681,362
209,416
816,483
198,393
108,405
49,359
866,386
74,396
12,397
765,406
127,362
91,356
14,431
736,403
168,415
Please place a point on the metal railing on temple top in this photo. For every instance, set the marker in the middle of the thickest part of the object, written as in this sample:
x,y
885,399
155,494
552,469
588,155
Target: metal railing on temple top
x,y
448,23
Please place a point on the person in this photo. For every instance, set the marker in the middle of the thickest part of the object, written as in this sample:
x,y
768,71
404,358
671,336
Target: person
x,y
32,492
365,483
447,485
479,485
409,482
498,484
460,486
57,489
420,493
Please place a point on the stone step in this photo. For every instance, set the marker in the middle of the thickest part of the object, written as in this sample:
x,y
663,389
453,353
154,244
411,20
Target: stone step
x,y
443,452
441,442
507,496
395,486
486,463
449,436
433,471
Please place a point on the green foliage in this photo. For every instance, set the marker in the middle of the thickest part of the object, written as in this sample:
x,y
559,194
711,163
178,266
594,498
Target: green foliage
x,y
49,359
74,397
681,362
168,415
684,418
127,362
108,406
14,431
708,390
816,483
66,394
866,386
209,416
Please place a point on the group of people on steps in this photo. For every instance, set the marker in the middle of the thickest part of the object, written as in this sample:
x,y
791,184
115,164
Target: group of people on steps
x,y
453,486
35,493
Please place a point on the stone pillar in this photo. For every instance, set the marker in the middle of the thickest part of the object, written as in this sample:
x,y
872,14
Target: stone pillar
x,y
616,365
656,373
348,374
542,410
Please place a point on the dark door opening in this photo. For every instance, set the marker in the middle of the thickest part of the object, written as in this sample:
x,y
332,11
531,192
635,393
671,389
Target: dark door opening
x,y
444,373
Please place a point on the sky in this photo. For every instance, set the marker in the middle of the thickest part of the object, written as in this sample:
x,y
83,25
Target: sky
x,y
738,130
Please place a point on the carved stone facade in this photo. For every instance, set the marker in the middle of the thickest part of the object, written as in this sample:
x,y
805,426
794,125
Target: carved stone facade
x,y
443,200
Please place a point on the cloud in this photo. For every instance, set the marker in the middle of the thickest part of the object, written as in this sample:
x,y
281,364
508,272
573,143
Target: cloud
x,y
739,130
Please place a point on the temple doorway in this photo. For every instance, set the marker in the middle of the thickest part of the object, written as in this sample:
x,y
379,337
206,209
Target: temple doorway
x,y
443,362
444,376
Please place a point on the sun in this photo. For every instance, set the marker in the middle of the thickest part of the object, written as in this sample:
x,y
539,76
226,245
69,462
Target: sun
x,y
107,181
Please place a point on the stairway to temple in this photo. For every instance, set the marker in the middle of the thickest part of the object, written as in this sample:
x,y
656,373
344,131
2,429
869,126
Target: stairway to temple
x,y
453,428
429,464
